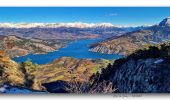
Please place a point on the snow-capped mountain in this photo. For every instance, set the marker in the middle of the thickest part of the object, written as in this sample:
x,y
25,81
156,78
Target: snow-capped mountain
x,y
165,22
55,25
60,30
77,30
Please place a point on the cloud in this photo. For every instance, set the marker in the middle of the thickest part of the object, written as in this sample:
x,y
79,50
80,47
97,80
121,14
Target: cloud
x,y
111,14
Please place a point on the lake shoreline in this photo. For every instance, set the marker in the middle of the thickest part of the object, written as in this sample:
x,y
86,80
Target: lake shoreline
x,y
77,49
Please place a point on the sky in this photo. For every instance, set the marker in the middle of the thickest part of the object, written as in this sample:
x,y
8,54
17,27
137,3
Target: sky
x,y
120,16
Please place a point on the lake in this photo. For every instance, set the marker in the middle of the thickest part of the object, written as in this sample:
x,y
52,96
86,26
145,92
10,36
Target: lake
x,y
75,49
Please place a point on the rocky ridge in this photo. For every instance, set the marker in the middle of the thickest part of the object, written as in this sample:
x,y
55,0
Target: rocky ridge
x,y
146,70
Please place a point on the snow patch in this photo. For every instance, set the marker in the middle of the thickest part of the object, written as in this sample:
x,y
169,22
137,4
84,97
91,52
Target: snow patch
x,y
158,61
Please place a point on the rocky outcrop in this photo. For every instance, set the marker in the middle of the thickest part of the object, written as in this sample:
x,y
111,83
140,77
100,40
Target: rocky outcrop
x,y
144,71
10,72
143,76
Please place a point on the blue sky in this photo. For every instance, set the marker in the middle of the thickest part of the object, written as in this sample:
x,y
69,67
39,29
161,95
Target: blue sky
x,y
128,16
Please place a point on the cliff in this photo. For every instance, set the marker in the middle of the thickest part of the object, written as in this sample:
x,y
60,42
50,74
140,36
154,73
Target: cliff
x,y
143,76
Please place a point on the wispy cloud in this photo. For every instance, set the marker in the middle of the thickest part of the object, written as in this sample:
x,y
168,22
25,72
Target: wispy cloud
x,y
111,14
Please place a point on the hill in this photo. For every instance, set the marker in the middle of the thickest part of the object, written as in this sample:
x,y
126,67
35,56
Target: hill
x,y
145,71
128,43
10,72
17,46
70,69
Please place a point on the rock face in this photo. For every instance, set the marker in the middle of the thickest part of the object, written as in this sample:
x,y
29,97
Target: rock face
x,y
144,71
143,76
132,41
16,46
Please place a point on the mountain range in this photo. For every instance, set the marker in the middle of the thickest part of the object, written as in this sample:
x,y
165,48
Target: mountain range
x,y
55,25
131,41
63,30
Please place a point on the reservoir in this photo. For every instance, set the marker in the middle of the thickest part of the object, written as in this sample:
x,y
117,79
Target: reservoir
x,y
75,49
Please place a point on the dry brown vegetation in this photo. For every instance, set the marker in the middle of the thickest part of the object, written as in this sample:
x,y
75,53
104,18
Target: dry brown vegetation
x,y
69,69
10,71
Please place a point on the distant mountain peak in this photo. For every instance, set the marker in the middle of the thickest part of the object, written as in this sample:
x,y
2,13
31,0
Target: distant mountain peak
x,y
55,25
165,22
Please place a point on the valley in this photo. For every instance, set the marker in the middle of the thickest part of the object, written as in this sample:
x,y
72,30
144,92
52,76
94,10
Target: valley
x,y
84,58
42,59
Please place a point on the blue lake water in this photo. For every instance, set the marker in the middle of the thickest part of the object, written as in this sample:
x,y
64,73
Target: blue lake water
x,y
75,49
